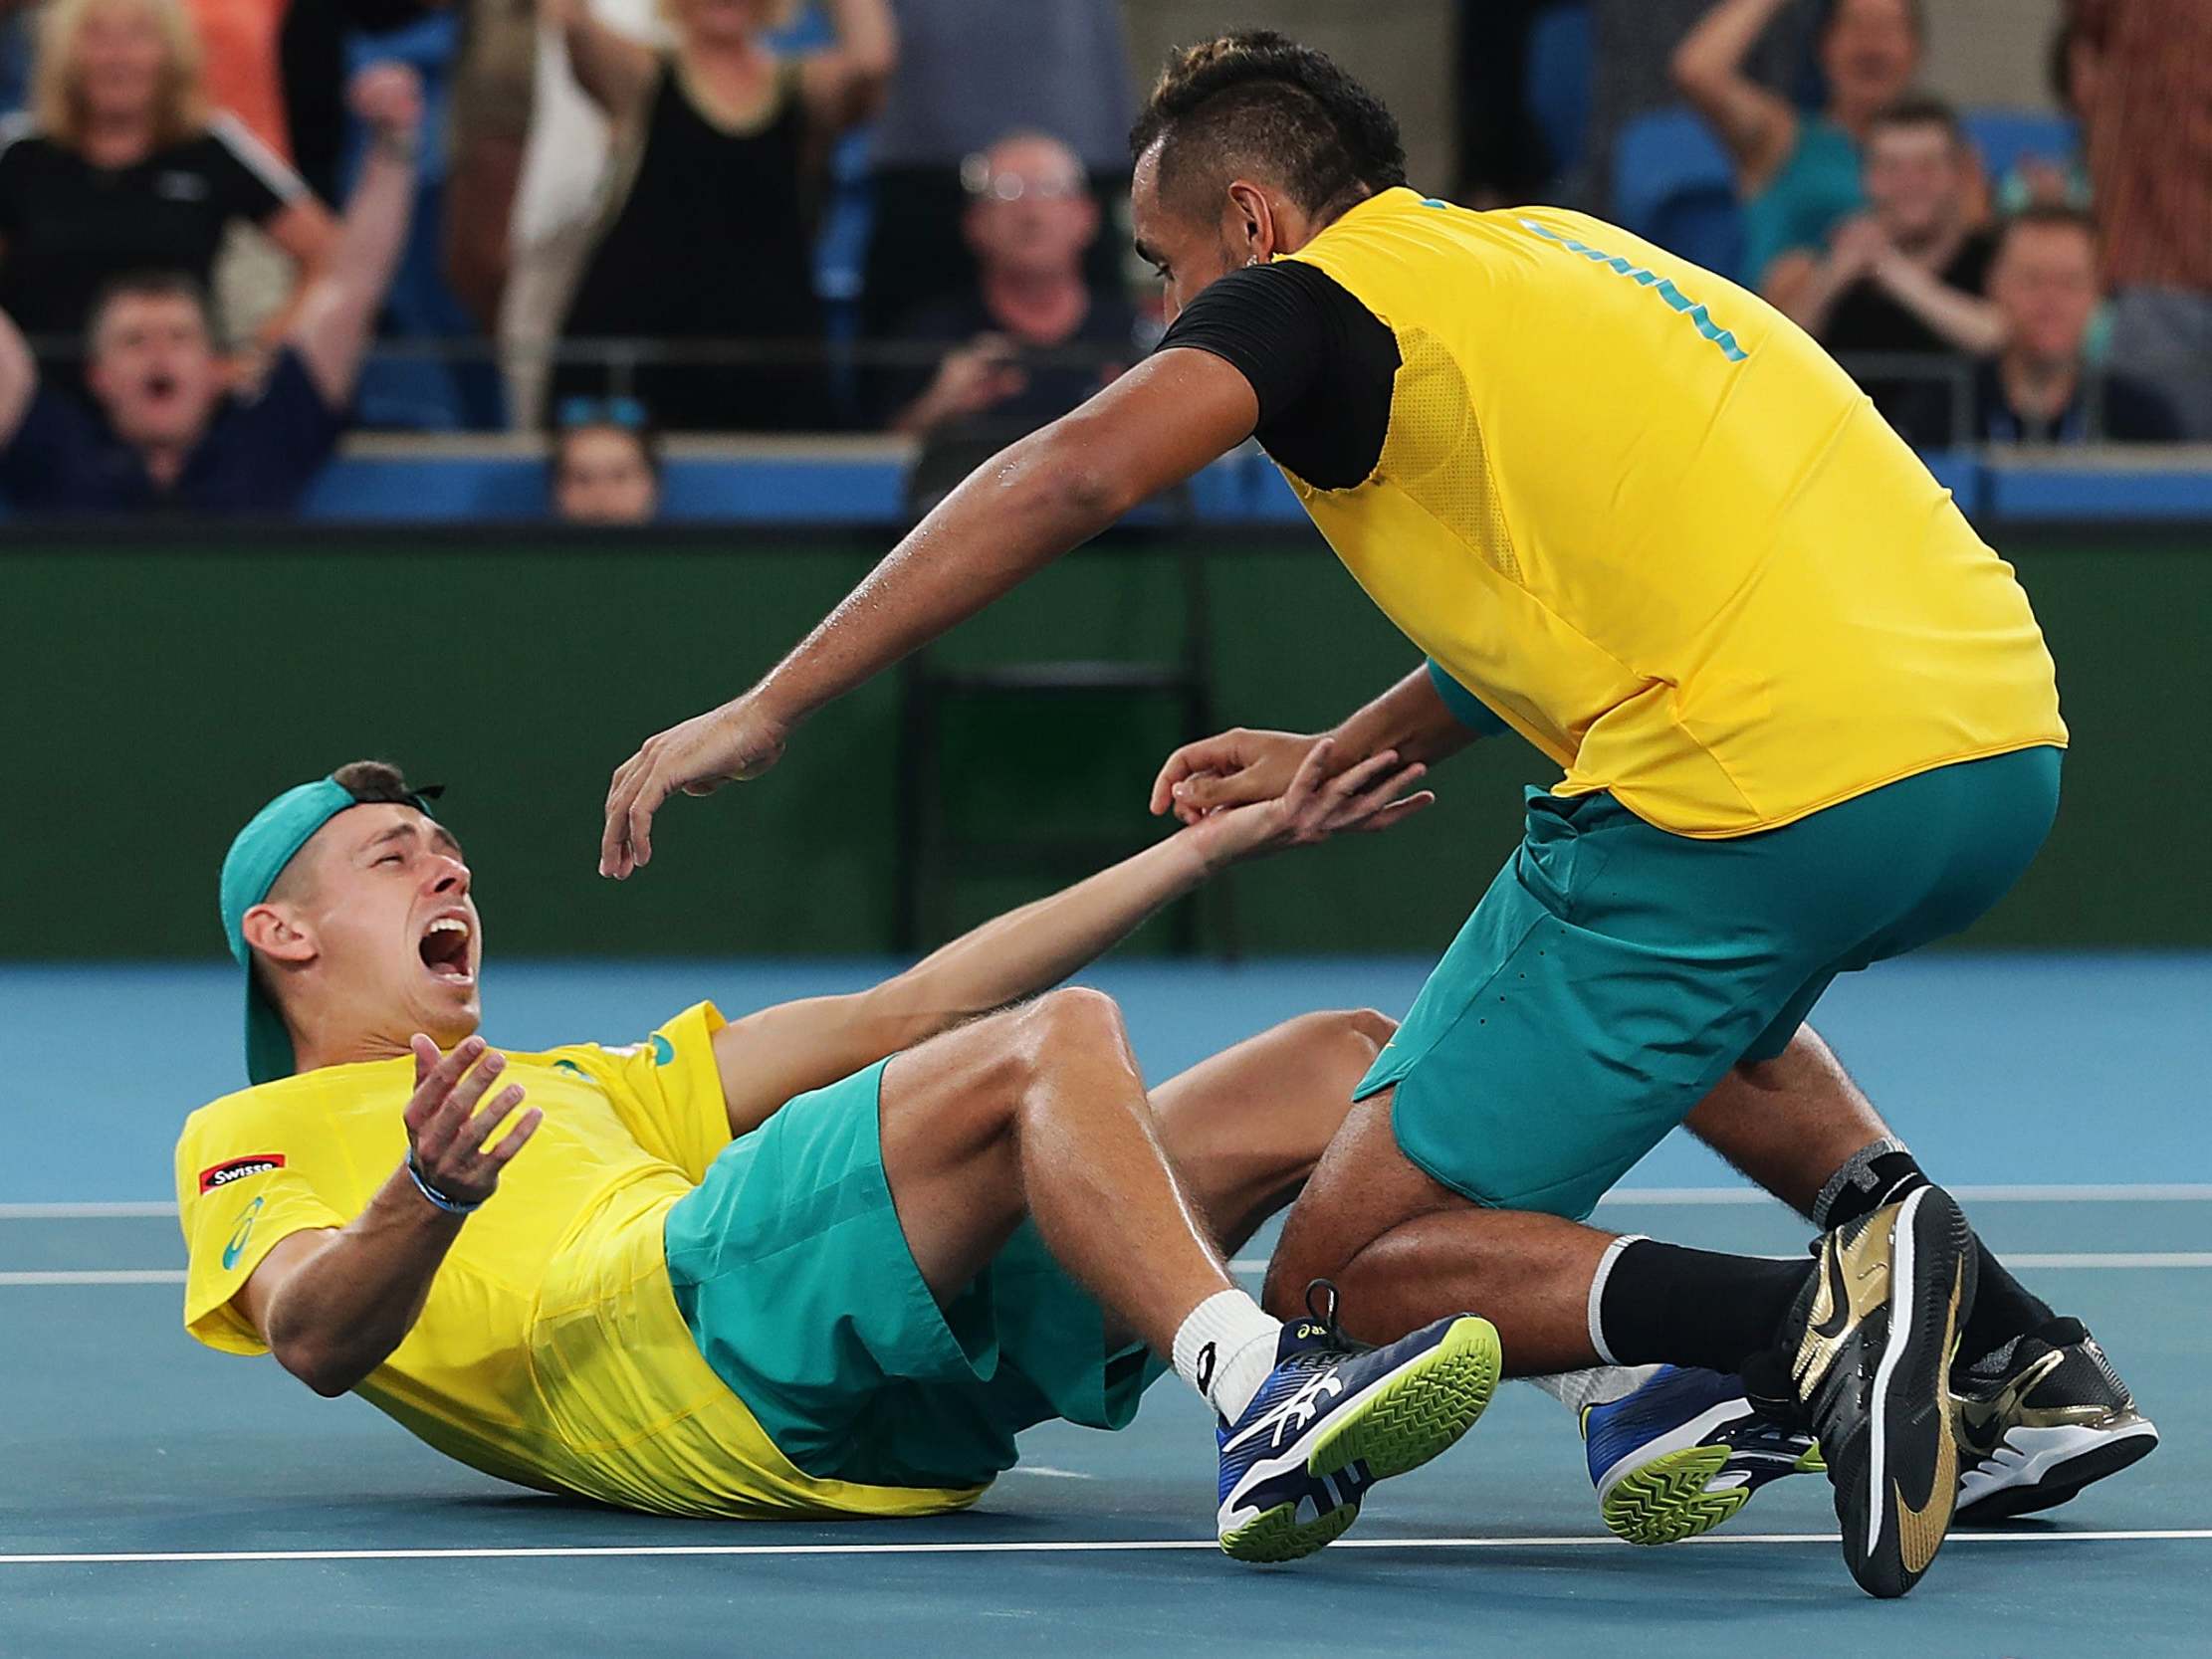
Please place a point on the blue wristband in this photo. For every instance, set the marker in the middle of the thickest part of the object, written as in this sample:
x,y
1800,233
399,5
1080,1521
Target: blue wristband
x,y
449,1205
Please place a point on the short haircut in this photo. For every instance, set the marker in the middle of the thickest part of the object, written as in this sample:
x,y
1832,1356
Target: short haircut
x,y
146,284
2049,216
1919,109
1256,102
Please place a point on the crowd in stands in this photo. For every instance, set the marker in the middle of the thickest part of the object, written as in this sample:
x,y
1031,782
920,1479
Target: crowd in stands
x,y
609,219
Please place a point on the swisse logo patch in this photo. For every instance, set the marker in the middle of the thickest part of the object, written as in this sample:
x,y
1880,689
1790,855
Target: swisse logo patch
x,y
239,1169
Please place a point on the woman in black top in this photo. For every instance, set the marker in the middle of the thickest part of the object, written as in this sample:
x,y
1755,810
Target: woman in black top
x,y
711,236
121,171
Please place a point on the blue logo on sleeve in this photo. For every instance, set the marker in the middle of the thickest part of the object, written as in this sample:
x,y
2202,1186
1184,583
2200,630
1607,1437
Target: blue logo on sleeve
x,y
240,1234
1664,288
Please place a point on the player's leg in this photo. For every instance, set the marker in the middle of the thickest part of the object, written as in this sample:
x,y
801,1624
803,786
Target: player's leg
x,y
2042,1411
1246,1128
1038,1117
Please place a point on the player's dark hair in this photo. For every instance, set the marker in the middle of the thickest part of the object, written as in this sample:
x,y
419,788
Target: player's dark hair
x,y
146,284
1920,110
1255,102
373,782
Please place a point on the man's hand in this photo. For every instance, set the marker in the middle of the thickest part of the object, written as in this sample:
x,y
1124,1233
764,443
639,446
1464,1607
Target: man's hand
x,y
972,379
1315,806
1859,246
387,99
1233,768
730,744
449,1138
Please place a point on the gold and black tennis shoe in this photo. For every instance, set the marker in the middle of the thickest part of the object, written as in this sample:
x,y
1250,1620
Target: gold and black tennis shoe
x,y
2040,1419
1869,1347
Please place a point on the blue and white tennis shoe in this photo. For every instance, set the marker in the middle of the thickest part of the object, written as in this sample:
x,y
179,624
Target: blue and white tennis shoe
x,y
1683,1453
1334,1417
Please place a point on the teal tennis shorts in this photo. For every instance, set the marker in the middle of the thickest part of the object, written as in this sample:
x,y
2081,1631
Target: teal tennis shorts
x,y
791,1269
1614,972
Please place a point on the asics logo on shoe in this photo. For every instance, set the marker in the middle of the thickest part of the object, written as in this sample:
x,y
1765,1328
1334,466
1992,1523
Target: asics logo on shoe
x,y
1308,1331
1293,1414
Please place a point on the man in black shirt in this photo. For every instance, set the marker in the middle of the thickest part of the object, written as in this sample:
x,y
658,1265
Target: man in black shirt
x,y
1030,339
2038,389
1908,277
167,432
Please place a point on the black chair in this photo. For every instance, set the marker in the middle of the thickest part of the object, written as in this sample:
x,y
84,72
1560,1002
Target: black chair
x,y
932,855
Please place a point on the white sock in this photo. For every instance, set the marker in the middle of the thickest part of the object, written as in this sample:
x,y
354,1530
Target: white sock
x,y
1599,1386
1225,1350
1594,1313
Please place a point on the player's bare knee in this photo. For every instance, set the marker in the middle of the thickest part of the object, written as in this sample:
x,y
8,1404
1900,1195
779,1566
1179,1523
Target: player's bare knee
x,y
1075,1022
1368,1031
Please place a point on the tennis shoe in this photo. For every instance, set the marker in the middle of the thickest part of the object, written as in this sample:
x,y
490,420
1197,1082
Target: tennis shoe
x,y
1334,1417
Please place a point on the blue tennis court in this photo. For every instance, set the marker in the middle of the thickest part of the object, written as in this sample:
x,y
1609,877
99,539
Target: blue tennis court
x,y
162,1499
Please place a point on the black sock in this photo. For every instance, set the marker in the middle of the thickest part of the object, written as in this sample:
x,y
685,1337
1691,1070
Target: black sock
x,y
2003,1306
2003,1309
1668,1304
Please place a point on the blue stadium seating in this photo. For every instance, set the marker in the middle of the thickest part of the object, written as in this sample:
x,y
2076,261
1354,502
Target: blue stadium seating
x,y
1673,184
1559,73
2006,137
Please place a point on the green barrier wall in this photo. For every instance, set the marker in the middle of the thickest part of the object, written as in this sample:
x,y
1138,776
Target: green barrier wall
x,y
155,695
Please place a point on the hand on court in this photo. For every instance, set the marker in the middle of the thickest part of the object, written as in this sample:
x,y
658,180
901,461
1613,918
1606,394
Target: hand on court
x,y
449,1135
1233,768
727,745
1369,796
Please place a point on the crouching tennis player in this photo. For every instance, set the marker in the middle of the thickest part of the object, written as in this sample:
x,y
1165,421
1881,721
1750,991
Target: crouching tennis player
x,y
825,1259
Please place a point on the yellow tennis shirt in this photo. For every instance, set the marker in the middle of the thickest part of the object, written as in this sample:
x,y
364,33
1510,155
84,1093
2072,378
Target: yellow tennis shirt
x,y
1647,520
550,1352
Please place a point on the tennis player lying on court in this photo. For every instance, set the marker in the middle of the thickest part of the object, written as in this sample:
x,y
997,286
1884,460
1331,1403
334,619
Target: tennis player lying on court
x,y
827,1259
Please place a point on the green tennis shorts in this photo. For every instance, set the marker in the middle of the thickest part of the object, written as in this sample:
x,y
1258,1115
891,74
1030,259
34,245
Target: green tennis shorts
x,y
791,1269
1614,972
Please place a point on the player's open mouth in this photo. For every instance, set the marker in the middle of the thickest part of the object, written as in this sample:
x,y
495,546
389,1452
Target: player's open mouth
x,y
445,950
160,388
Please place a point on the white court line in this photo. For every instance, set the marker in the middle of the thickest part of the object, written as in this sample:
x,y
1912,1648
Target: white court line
x,y
2109,1259
2149,1193
1061,1547
2064,1259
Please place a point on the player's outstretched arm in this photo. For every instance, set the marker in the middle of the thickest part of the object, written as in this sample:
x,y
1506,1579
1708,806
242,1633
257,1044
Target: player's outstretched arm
x,y
1017,513
333,1303
768,1057
1425,718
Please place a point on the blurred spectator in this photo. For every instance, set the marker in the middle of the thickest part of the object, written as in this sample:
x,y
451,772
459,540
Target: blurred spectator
x,y
968,72
607,466
1631,43
1798,173
491,112
2151,158
1909,274
712,240
2058,180
1029,339
550,227
2039,390
120,168
167,432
